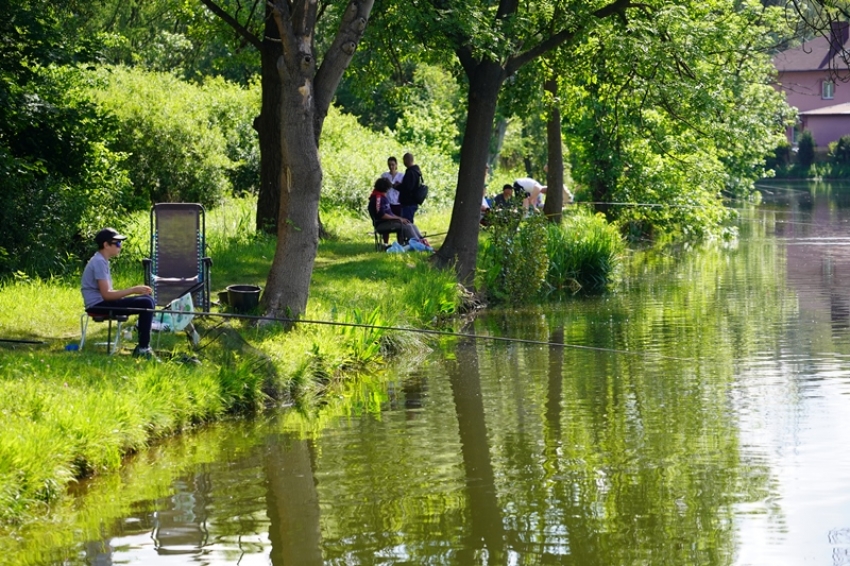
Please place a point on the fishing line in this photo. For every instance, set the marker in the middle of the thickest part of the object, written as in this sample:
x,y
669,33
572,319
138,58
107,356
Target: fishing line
x,y
642,204
414,330
661,205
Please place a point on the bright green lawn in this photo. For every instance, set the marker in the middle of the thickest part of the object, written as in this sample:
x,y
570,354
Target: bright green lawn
x,y
67,414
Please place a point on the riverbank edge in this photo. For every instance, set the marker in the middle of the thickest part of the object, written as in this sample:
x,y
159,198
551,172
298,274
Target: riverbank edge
x,y
80,414
70,415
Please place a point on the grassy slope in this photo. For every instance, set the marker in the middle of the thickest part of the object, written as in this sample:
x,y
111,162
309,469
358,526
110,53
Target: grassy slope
x,y
65,415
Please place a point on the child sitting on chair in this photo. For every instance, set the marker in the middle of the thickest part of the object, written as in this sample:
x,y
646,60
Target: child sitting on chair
x,y
99,296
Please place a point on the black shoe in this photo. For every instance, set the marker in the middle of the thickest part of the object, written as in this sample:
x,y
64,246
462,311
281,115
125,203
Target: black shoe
x,y
146,353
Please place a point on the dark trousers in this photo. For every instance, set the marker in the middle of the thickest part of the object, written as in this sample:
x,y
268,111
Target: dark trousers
x,y
129,306
396,209
404,232
407,212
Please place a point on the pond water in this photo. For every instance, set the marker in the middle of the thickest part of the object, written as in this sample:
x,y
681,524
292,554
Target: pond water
x,y
697,415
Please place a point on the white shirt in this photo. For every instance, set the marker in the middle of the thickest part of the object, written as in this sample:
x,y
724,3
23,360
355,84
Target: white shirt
x,y
528,184
392,193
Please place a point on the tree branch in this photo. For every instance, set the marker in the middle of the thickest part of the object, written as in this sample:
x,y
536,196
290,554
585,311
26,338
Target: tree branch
x,y
232,22
336,60
516,62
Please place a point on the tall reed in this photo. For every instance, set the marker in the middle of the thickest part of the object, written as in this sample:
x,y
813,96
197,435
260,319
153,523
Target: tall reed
x,y
584,252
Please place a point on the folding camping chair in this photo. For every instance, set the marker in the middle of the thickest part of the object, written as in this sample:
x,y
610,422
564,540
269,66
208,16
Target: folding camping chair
x,y
178,265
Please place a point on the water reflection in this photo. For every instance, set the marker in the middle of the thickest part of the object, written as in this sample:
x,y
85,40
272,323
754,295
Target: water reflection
x,y
486,535
704,427
293,503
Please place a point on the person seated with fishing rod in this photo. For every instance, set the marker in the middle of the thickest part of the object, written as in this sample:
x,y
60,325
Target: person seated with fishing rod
x,y
99,297
505,199
383,218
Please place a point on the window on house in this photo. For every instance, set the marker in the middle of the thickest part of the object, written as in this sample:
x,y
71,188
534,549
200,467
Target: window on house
x,y
828,90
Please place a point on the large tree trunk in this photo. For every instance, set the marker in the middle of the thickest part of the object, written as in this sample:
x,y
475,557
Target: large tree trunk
x,y
555,176
267,125
288,284
461,244
306,96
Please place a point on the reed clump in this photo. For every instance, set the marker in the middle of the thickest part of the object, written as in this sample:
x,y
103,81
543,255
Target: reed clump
x,y
584,252
524,257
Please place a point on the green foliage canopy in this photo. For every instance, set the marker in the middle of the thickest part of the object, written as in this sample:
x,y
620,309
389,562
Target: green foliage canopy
x,y
673,111
58,170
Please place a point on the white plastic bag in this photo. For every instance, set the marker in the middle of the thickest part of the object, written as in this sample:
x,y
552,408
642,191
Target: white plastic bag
x,y
183,315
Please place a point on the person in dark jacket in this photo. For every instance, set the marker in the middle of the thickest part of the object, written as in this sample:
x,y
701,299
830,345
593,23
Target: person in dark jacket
x,y
407,188
506,198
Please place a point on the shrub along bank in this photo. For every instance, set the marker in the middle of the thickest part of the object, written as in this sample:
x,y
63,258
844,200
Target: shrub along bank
x,y
524,257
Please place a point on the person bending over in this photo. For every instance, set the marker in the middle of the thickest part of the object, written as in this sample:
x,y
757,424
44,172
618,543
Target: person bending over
x,y
383,218
529,190
99,296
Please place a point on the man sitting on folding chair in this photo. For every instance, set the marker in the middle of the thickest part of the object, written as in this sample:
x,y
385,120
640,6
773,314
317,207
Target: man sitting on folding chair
x,y
99,296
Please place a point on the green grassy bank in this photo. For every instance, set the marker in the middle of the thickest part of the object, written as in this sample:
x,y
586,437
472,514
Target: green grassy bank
x,y
70,414
67,415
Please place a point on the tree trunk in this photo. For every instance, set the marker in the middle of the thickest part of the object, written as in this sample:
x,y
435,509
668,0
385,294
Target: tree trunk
x,y
501,129
461,244
267,125
554,203
288,284
306,94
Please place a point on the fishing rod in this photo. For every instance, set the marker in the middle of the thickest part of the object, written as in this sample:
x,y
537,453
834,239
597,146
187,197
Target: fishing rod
x,y
17,341
445,333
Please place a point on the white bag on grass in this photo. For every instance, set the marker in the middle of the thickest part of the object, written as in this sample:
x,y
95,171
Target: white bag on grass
x,y
183,308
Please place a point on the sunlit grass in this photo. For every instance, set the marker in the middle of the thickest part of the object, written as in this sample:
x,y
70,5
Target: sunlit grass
x,y
69,414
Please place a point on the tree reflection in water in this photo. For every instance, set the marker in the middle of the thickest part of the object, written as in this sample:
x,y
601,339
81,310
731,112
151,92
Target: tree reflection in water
x,y
486,532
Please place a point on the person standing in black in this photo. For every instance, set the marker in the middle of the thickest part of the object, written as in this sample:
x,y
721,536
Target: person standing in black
x,y
407,188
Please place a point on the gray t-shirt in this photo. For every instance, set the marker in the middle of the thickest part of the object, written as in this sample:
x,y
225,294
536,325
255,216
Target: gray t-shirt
x,y
97,268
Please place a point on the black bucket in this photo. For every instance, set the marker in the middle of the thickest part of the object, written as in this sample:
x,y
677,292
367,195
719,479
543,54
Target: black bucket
x,y
243,298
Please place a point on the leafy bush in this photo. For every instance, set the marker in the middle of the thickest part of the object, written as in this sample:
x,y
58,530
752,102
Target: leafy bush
x,y
59,177
840,151
431,115
513,260
805,150
583,252
185,142
781,158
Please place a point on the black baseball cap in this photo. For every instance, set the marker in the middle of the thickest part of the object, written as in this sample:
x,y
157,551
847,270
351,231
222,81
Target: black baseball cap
x,y
108,235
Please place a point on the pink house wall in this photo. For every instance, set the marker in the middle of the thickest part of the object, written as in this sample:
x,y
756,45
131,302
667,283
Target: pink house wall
x,y
803,89
827,129
802,72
